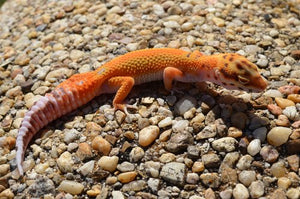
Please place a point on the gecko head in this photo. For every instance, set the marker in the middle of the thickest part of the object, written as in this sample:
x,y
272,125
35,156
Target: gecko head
x,y
236,72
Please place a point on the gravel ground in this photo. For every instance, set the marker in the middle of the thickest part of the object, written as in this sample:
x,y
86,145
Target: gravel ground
x,y
202,142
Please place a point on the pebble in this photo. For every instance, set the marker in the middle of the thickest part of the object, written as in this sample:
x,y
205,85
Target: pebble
x,y
179,142
292,113
282,121
293,193
4,169
234,132
240,192
198,167
101,145
226,194
260,133
127,176
274,109
239,120
185,104
278,135
108,163
125,167
84,151
211,160
254,147
247,177
284,183
192,178
256,189
278,169
244,162
87,168
269,153
148,135
226,144
273,93
294,97
136,154
283,103
117,195
218,21
173,172
65,162
211,180
293,162
165,122
71,187
289,89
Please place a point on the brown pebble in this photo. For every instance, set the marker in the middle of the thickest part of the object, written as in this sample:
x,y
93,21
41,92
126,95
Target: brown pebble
x,y
269,153
295,134
101,145
278,169
283,103
293,162
84,151
274,109
295,54
234,132
198,167
127,176
129,135
293,146
287,90
294,97
282,121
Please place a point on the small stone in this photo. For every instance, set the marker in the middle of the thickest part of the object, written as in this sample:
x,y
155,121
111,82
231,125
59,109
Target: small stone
x,y
226,194
147,135
165,122
293,146
185,104
293,162
294,97
287,90
84,151
283,103
180,126
279,22
240,192
153,184
284,183
4,169
117,195
125,166
218,21
167,157
136,154
260,133
22,59
179,142
278,169
65,162
173,172
101,145
254,147
187,26
278,135
127,176
71,135
247,177
108,163
209,131
198,167
282,121
71,187
76,55
239,120
269,153
226,144
274,109
234,132
292,113
277,194
87,168
293,193
192,178
256,189
244,162
211,180
273,93
7,194
211,160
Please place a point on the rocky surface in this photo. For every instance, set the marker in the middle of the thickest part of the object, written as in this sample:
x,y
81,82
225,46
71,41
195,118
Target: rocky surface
x,y
201,142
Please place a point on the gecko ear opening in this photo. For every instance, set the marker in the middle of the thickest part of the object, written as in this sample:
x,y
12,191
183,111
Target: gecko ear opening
x,y
243,80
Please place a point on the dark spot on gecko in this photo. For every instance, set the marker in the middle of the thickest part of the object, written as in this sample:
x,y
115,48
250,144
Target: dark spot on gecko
x,y
224,83
226,65
240,88
227,75
224,56
239,66
215,77
208,75
188,55
55,94
231,84
231,59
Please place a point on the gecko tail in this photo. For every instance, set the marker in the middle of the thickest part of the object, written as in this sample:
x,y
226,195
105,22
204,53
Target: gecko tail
x,y
68,96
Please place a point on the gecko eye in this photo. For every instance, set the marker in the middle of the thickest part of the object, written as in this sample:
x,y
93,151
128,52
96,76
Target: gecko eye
x,y
243,80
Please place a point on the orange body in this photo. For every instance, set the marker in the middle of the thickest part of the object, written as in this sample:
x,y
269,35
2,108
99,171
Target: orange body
x,y
232,71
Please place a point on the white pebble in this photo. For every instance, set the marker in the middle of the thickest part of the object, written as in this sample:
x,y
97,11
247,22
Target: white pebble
x,y
71,187
240,192
254,147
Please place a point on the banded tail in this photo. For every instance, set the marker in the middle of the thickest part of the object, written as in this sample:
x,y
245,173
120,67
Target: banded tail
x,y
67,96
